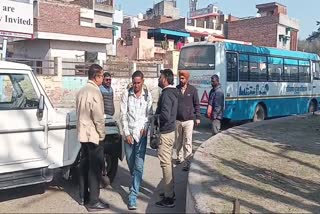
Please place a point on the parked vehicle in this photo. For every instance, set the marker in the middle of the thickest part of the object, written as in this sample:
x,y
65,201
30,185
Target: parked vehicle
x,y
35,137
258,82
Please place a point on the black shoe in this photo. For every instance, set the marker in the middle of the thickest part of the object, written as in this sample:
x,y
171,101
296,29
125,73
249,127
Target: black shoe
x,y
97,206
161,195
166,203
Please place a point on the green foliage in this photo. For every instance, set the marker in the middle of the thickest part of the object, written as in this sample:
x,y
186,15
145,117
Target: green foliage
x,y
312,43
315,34
310,47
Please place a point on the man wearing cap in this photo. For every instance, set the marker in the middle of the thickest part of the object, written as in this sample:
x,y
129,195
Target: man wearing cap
x,y
188,114
215,104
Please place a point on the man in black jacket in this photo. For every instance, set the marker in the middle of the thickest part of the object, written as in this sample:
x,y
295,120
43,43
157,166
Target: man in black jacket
x,y
188,111
167,111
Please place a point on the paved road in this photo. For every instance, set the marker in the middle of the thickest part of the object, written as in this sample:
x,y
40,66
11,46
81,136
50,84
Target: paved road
x,y
61,196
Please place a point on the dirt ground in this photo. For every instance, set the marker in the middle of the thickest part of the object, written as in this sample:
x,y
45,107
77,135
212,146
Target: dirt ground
x,y
271,167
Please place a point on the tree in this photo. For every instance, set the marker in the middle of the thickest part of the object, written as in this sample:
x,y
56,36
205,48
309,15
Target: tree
x,y
310,47
315,34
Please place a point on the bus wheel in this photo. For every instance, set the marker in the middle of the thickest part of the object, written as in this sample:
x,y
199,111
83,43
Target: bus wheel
x,y
312,106
259,114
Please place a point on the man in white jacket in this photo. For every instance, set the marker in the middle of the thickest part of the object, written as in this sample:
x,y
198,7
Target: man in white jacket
x,y
136,111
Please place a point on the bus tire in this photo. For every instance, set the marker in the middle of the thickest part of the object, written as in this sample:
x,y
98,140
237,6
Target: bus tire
x,y
312,106
259,114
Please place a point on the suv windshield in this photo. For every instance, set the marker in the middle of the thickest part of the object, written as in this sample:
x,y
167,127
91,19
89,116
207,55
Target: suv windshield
x,y
200,57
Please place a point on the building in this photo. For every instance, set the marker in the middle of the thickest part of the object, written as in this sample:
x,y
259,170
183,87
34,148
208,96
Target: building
x,y
204,22
73,30
117,22
167,8
200,23
272,27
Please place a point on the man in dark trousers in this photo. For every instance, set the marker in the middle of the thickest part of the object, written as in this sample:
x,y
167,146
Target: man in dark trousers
x,y
107,94
188,113
167,111
91,133
215,104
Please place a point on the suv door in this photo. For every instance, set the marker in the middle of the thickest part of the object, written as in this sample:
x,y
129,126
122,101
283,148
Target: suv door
x,y
22,131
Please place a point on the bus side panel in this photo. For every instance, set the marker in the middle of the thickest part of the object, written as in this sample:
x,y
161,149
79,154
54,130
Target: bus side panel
x,y
244,109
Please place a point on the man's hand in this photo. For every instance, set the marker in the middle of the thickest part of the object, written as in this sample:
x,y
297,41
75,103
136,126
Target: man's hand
x,y
209,111
197,122
143,133
129,139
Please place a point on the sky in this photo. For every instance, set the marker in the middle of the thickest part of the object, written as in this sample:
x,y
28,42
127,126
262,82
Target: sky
x,y
306,12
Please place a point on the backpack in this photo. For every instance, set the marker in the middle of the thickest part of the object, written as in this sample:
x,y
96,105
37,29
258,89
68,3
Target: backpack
x,y
155,132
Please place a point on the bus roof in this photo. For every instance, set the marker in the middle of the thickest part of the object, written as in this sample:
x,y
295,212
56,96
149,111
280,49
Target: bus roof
x,y
261,50
270,51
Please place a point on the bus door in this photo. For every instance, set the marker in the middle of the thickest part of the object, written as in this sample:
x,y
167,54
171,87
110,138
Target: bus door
x,y
316,81
232,86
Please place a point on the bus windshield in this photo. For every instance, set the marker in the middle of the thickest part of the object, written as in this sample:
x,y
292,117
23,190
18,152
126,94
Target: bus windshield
x,y
200,57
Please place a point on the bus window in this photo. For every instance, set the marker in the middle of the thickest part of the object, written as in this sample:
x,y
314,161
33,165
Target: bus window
x,y
232,67
258,68
316,73
275,67
243,67
200,57
304,71
290,72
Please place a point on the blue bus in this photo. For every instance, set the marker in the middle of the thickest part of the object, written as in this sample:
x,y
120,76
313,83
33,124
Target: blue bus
x,y
258,82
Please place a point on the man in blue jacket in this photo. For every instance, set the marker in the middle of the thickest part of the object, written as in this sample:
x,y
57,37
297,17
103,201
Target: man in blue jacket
x,y
215,104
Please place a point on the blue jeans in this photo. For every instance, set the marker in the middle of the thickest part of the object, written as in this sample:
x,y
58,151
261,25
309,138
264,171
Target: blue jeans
x,y
135,155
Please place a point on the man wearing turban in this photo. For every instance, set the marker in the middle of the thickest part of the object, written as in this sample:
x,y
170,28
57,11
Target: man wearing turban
x,y
188,114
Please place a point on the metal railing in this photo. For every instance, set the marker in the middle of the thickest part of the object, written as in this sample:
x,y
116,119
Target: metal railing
x,y
118,68
39,66
105,2
150,70
75,68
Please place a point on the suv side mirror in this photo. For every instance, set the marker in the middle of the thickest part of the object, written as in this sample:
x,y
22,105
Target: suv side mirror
x,y
40,107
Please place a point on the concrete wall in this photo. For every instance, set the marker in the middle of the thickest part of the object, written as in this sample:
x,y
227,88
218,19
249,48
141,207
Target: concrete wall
x,y
156,21
141,48
103,18
36,49
48,49
281,44
62,90
76,50
179,24
130,52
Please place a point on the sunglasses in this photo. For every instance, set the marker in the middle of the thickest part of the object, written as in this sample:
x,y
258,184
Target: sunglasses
x,y
107,79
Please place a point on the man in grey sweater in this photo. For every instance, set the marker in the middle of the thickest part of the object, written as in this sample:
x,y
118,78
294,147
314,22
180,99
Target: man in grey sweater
x,y
107,94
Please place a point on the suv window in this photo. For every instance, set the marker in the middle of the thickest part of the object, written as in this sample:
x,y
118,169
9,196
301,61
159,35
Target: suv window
x,y
17,92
